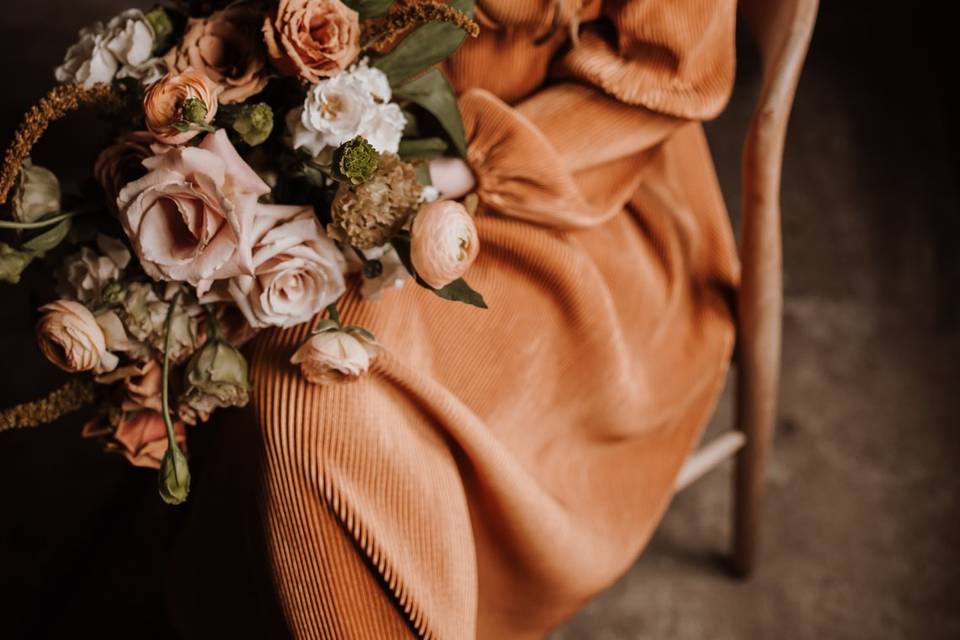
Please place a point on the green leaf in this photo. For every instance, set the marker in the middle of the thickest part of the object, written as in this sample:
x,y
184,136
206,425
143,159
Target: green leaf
x,y
363,334
458,290
424,47
49,239
327,324
422,148
13,262
432,92
369,8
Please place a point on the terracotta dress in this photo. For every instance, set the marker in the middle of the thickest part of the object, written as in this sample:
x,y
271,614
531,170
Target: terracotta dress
x,y
498,468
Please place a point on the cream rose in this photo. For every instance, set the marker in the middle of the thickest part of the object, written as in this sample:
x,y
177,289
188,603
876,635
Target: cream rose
x,y
190,218
70,338
85,275
312,39
37,193
164,103
226,48
298,271
443,242
334,356
123,48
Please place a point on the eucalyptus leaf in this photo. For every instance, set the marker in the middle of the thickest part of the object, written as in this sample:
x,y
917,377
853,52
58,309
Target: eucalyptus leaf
x,y
422,148
369,8
360,332
432,92
327,324
424,47
49,239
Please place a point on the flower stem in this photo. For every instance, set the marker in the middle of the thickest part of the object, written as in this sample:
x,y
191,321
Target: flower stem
x,y
40,224
165,387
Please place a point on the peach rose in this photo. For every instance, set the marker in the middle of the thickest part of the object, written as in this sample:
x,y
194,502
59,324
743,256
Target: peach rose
x,y
70,338
140,436
298,271
226,48
334,356
312,39
443,242
142,384
190,218
163,104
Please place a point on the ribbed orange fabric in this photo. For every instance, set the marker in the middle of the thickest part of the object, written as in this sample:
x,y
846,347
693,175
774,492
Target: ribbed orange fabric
x,y
498,468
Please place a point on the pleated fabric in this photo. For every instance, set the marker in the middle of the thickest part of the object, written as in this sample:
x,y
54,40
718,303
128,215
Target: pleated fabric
x,y
498,468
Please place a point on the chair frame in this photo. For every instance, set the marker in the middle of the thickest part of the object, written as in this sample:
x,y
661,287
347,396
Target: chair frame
x,y
782,29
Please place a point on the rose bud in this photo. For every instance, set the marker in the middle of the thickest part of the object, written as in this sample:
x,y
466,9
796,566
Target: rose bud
x,y
37,193
177,105
335,355
216,376
443,242
70,338
174,477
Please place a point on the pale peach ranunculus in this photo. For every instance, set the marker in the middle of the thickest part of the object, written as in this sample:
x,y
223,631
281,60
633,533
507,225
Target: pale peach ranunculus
x,y
334,356
163,104
443,242
298,271
140,436
190,219
70,338
312,39
226,48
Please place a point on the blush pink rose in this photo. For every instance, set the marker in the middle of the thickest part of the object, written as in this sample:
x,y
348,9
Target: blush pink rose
x,y
443,242
163,104
334,356
312,39
190,218
70,338
298,271
140,436
226,48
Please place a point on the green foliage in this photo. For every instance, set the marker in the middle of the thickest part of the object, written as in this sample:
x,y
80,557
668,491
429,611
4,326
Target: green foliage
x,y
422,148
424,47
432,92
369,8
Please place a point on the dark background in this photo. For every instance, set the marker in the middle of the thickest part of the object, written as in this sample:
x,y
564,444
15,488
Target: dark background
x,y
861,529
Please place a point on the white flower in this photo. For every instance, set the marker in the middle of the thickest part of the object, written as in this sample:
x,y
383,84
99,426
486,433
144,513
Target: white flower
x,y
85,275
123,48
351,103
298,270
392,276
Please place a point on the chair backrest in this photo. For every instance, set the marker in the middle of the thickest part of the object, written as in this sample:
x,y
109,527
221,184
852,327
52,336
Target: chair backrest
x,y
782,30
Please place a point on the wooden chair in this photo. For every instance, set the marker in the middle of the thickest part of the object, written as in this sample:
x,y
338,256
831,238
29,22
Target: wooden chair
x,y
782,29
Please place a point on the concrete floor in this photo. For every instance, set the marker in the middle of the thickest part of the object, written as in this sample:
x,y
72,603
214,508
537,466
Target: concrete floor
x,y
861,527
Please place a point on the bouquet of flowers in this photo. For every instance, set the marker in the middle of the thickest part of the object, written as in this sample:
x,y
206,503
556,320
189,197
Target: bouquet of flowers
x,y
268,155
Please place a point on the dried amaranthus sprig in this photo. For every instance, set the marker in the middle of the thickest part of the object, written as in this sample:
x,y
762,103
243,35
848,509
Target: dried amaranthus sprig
x,y
76,393
58,102
408,13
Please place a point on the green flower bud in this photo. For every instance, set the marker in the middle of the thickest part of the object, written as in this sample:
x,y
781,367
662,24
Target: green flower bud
x,y
216,376
174,478
159,21
37,194
355,161
254,123
194,111
12,263
114,293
